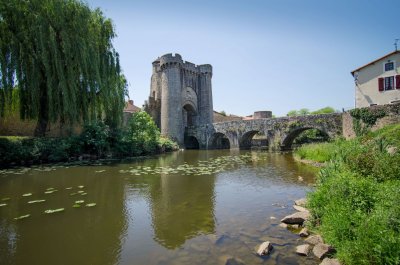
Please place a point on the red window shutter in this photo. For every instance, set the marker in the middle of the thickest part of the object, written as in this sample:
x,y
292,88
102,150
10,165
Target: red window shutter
x,y
380,82
397,81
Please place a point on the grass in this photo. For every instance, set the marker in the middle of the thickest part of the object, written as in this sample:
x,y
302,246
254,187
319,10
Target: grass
x,y
356,204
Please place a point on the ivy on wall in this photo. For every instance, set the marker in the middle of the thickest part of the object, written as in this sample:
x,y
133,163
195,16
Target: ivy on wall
x,y
365,118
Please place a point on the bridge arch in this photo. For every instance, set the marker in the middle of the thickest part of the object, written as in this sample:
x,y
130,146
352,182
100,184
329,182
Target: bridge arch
x,y
289,138
247,140
189,113
191,142
219,140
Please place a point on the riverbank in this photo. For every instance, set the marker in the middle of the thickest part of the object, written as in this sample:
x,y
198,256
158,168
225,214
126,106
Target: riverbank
x,y
96,141
356,203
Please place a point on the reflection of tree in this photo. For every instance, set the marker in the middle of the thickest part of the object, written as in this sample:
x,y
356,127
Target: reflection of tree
x,y
182,206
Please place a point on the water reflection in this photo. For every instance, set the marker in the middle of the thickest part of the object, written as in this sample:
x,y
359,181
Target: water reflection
x,y
153,211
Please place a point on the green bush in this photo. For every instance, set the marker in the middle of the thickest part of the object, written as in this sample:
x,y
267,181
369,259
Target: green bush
x,y
356,205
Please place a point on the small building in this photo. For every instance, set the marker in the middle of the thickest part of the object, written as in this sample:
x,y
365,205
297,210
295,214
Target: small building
x,y
378,82
129,109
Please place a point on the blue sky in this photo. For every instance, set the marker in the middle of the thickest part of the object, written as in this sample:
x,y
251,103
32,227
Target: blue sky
x,y
276,55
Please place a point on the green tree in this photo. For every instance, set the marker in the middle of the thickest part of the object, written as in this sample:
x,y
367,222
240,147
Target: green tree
x,y
60,55
143,133
292,113
325,110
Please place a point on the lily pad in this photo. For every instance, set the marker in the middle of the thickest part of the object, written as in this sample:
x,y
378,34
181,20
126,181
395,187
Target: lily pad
x,y
83,194
76,205
79,202
55,210
36,201
50,191
72,194
26,194
5,199
50,188
68,188
91,204
22,217
81,186
80,191
3,204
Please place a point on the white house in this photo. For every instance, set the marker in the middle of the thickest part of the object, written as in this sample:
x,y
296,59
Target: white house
x,y
378,82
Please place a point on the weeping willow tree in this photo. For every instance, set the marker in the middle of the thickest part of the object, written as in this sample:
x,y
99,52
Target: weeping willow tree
x,y
58,63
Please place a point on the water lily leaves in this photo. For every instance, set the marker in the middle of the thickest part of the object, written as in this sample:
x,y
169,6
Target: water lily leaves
x,y
79,202
5,199
54,210
3,204
81,186
72,194
50,191
80,191
26,194
36,201
50,188
68,188
91,204
76,206
83,194
100,171
22,217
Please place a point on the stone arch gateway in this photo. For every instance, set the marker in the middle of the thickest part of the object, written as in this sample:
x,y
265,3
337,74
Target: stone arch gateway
x,y
180,96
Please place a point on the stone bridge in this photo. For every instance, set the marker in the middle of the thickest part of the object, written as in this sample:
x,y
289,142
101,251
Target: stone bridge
x,y
279,132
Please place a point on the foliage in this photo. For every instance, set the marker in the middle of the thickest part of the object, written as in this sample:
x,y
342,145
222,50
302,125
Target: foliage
x,y
223,113
365,118
319,152
58,64
306,111
96,139
325,110
356,203
143,133
310,136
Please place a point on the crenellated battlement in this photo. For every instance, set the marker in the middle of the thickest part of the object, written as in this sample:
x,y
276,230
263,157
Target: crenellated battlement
x,y
180,95
205,69
170,59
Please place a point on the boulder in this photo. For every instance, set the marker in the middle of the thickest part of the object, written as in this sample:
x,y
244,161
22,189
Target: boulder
x,y
322,250
264,249
328,261
301,202
314,240
283,225
303,250
296,218
304,232
300,208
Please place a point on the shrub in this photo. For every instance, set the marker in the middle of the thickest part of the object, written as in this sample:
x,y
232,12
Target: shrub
x,y
143,133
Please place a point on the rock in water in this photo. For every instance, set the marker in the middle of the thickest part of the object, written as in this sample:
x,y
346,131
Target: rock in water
x,y
296,218
314,240
283,225
303,250
264,249
300,209
328,261
322,250
301,202
304,232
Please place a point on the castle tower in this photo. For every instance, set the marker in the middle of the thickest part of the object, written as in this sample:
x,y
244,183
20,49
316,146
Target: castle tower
x,y
180,95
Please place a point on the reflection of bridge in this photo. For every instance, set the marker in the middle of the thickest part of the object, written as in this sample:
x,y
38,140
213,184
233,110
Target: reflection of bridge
x,y
280,132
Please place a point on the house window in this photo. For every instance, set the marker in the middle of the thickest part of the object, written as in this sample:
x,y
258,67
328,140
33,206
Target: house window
x,y
389,66
389,83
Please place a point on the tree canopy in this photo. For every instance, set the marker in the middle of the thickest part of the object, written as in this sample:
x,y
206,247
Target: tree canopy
x,y
58,63
305,111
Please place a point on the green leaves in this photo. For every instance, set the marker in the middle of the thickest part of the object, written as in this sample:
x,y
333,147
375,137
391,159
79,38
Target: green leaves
x,y
60,54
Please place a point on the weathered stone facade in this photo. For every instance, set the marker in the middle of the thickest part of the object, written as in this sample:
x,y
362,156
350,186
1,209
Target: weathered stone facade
x,y
180,95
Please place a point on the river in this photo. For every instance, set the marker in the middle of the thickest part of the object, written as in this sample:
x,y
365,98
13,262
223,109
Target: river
x,y
187,207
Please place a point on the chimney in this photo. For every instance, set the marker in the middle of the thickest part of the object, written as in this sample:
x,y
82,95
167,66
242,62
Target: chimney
x,y
130,102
